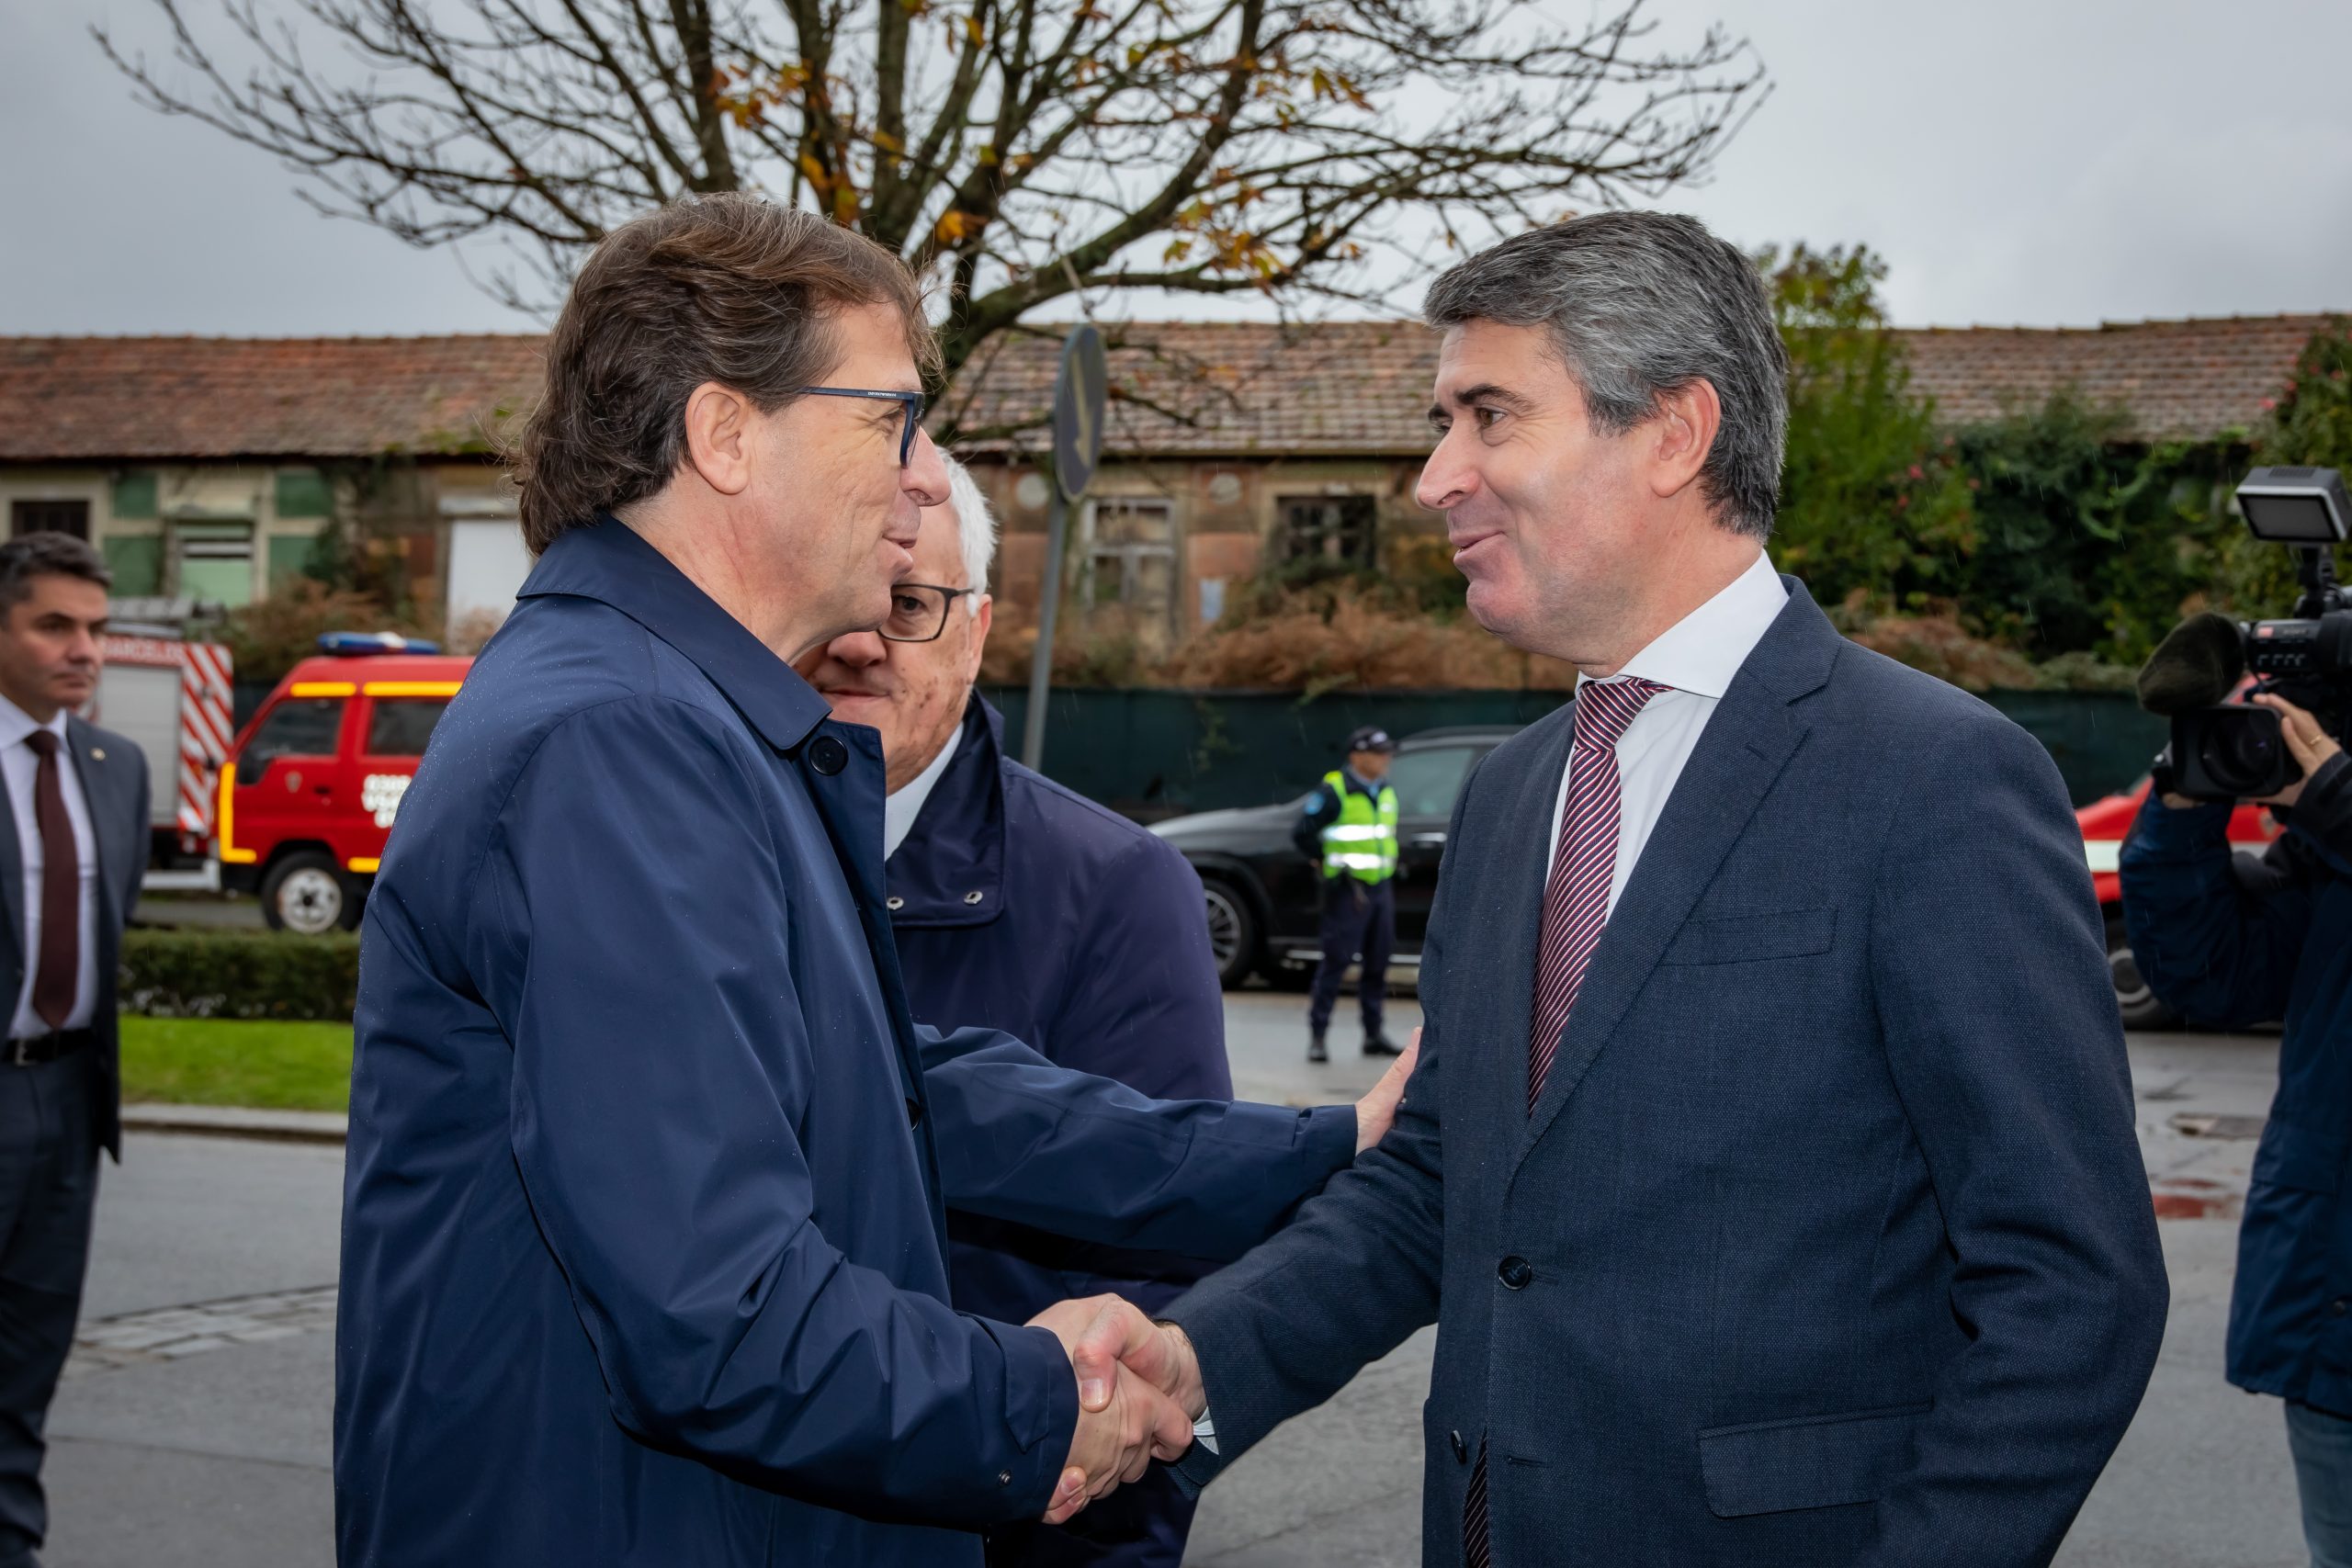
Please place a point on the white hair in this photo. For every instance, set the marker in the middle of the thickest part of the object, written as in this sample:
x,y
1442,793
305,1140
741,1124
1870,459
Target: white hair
x,y
975,529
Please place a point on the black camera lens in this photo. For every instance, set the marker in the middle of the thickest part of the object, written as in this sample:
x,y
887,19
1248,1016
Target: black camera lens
x,y
2241,755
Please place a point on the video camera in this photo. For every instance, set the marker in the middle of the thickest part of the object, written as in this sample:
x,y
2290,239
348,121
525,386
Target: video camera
x,y
2224,750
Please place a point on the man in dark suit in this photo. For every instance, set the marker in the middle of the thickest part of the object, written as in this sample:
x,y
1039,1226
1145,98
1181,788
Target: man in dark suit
x,y
68,875
1769,1169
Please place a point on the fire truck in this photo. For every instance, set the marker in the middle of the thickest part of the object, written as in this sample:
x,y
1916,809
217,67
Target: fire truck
x,y
314,782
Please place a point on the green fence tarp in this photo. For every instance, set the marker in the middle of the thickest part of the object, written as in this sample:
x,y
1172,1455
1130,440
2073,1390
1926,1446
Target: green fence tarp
x,y
1153,753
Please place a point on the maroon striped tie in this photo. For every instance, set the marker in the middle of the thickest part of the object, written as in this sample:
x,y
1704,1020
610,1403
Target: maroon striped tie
x,y
1576,901
1576,908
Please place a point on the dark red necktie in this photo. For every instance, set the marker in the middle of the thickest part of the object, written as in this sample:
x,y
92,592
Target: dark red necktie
x,y
59,975
1576,908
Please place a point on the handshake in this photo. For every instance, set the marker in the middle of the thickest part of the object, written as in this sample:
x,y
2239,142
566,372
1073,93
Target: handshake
x,y
1138,1394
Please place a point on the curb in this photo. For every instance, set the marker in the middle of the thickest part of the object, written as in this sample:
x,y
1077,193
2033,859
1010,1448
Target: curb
x,y
237,1122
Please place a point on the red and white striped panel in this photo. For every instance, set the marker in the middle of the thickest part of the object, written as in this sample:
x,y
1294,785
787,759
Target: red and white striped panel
x,y
206,704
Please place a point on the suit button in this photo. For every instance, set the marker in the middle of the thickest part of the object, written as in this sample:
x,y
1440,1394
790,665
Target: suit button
x,y
1461,1448
827,755
914,1113
2340,1306
1515,1272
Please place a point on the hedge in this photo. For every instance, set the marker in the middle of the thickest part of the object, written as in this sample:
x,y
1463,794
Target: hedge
x,y
193,974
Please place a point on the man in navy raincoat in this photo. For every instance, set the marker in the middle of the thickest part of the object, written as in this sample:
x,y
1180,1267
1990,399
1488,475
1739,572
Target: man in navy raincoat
x,y
644,1257
1025,906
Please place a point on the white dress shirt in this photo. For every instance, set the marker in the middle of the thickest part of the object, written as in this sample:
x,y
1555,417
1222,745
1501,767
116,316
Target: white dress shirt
x,y
21,769
900,807
1697,658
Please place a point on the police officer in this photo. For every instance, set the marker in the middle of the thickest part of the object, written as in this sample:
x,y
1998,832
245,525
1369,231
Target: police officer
x,y
1350,828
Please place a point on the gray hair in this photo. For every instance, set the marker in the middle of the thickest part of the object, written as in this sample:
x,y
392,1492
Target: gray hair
x,y
45,554
1641,304
975,529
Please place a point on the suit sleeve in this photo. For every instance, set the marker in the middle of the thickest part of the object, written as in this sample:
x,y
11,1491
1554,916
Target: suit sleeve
x,y
1023,1140
143,807
658,1143
1284,1329
2217,950
2006,1050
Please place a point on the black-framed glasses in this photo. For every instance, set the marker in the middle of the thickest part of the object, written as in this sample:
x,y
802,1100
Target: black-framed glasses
x,y
919,612
913,403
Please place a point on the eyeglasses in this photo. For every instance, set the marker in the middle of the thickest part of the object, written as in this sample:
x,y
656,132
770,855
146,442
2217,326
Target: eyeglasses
x,y
919,612
913,403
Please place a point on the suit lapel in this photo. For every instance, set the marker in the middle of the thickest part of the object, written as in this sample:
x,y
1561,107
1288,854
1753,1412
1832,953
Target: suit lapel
x,y
1523,865
101,778
1747,742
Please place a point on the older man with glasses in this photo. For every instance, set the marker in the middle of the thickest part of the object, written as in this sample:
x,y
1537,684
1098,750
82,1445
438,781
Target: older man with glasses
x,y
1022,906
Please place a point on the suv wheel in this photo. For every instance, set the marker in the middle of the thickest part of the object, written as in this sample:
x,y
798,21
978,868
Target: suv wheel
x,y
1233,931
2139,1006
304,893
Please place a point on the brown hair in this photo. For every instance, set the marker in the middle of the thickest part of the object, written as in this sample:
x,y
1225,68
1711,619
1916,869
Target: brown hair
x,y
727,288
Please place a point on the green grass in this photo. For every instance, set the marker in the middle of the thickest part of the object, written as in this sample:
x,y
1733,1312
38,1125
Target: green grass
x,y
216,1061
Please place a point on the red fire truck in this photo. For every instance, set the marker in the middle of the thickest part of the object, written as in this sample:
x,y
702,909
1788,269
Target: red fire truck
x,y
314,780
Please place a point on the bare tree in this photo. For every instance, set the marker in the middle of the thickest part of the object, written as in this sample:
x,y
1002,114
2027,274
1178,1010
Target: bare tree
x,y
1014,151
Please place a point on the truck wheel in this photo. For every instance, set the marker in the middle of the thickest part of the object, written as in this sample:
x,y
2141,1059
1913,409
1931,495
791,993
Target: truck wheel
x,y
2139,1006
1233,931
304,893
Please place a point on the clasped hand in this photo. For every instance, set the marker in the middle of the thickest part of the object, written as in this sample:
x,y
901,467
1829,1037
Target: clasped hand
x,y
1138,1394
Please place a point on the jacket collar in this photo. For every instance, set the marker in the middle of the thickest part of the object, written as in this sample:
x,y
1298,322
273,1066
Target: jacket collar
x,y
608,562
956,849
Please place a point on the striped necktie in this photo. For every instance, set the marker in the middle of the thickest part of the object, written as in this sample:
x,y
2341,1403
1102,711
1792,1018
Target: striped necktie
x,y
1576,908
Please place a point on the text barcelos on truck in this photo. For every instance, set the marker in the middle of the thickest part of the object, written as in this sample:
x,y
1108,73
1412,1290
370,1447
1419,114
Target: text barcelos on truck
x,y
314,782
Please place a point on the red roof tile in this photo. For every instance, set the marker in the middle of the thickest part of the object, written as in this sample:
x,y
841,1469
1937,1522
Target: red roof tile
x,y
1184,388
153,399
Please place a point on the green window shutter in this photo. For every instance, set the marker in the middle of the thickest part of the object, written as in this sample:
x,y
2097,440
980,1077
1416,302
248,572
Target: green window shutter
x,y
136,559
303,492
288,554
134,496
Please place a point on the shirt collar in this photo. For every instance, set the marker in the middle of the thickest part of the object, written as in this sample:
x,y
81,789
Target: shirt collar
x,y
1703,651
608,561
17,726
900,808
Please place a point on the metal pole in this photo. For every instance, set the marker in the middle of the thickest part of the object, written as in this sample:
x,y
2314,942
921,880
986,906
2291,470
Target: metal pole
x,y
1041,661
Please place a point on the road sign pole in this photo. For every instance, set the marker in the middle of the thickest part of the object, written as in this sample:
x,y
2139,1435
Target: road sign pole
x,y
1041,661
1079,394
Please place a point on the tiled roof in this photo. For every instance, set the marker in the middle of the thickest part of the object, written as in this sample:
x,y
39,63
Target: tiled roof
x,y
153,399
1208,389
2188,379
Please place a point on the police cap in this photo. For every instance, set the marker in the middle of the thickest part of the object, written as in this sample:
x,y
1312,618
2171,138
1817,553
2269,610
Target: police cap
x,y
1371,738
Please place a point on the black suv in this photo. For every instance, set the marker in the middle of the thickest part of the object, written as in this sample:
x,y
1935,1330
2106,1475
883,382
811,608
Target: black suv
x,y
1265,899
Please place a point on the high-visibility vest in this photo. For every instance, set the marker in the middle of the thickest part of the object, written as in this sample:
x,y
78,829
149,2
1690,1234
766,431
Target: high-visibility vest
x,y
1361,841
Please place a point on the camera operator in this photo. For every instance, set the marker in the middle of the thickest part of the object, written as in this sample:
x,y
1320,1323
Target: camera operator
x,y
2235,940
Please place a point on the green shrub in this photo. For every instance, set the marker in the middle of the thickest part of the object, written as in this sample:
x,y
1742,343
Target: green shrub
x,y
189,973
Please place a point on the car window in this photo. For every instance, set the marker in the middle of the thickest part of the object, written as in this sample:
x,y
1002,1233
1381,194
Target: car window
x,y
298,726
400,725
1426,781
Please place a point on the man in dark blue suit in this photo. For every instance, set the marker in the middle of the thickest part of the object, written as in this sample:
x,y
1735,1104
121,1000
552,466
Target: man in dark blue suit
x,y
1769,1169
1022,906
644,1245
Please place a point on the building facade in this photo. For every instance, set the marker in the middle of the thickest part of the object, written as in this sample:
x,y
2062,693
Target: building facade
x,y
212,470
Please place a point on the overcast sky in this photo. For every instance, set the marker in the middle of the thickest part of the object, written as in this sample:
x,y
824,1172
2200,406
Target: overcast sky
x,y
2016,161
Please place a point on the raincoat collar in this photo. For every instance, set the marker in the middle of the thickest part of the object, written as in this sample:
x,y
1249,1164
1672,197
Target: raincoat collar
x,y
950,870
608,562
